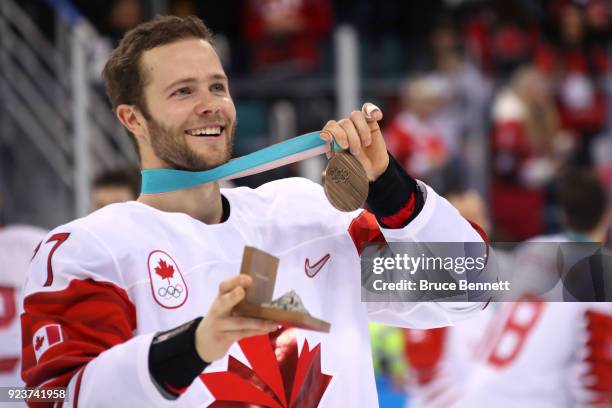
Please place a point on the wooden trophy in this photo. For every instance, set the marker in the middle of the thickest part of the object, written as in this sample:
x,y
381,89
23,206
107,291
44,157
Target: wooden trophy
x,y
286,310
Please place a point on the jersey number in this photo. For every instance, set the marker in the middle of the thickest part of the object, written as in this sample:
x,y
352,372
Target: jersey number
x,y
59,240
522,319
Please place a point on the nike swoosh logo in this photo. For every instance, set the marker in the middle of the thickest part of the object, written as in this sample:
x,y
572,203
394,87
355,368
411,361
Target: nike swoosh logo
x,y
312,270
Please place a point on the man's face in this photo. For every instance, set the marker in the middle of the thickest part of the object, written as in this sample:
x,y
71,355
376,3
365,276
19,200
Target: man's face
x,y
103,196
192,115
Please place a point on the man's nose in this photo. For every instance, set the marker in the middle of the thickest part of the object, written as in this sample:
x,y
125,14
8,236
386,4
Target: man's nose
x,y
206,106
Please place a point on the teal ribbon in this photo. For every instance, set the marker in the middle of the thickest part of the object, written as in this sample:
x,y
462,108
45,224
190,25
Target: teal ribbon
x,y
156,181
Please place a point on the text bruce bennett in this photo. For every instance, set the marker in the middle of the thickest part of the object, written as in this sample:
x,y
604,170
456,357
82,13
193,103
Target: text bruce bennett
x,y
423,284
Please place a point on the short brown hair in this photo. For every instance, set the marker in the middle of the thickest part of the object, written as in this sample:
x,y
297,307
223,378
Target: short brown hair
x,y
122,73
128,177
582,199
124,79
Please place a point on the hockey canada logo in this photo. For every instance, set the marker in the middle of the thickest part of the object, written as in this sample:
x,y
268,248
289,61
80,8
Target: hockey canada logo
x,y
279,375
45,338
167,284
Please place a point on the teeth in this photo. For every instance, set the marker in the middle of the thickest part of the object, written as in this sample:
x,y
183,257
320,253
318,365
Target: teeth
x,y
213,130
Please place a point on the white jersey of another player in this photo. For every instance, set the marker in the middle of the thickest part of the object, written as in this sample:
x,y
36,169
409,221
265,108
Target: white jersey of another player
x,y
17,245
103,285
528,353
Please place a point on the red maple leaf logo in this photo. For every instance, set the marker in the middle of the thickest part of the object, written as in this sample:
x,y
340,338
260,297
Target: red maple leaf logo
x,y
39,342
279,377
164,270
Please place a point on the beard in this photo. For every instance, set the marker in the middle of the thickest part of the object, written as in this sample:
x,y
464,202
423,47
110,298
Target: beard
x,y
170,145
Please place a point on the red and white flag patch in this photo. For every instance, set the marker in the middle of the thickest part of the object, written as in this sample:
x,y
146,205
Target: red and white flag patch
x,y
167,283
45,338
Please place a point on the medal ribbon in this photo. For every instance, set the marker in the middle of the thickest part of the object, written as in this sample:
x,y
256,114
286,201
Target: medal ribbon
x,y
299,148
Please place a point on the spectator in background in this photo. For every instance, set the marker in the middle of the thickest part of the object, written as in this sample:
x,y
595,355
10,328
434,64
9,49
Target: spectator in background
x,y
465,91
115,186
471,206
525,142
412,136
501,36
577,65
285,35
583,202
598,15
124,15
112,19
584,216
183,8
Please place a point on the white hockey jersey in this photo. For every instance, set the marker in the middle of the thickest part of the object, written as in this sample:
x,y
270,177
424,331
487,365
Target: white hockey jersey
x,y
17,245
529,353
103,285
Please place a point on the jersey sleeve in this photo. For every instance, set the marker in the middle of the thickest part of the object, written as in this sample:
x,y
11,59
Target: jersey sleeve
x,y
438,221
78,324
594,368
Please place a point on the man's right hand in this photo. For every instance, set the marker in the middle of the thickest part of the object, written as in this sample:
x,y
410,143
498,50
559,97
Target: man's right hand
x,y
219,329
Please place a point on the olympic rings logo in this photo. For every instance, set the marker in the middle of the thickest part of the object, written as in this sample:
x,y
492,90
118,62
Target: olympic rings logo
x,y
170,291
339,175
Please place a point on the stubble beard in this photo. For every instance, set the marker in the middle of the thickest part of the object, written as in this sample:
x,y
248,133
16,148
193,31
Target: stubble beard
x,y
170,146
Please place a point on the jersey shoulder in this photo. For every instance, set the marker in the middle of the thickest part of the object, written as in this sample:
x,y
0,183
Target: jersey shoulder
x,y
87,248
289,196
115,219
291,210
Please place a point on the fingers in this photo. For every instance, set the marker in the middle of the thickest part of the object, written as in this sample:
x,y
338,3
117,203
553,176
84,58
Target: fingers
x,y
325,135
233,282
356,131
335,131
219,329
237,323
372,112
350,133
224,303
215,334
354,141
360,121
231,292
241,334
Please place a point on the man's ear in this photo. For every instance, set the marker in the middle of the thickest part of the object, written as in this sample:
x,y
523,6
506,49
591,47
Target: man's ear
x,y
132,119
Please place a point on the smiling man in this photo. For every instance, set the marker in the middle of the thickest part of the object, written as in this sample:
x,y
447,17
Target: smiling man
x,y
184,135
132,305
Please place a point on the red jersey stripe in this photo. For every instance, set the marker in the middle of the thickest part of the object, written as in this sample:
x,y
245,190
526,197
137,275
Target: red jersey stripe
x,y
364,230
94,316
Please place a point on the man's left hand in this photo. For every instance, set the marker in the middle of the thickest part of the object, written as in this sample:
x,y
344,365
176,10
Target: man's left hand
x,y
361,135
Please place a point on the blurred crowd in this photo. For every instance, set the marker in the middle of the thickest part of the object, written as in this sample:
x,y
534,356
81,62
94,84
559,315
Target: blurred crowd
x,y
496,96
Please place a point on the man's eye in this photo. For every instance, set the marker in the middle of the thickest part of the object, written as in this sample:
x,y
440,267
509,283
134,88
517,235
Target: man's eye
x,y
218,87
182,92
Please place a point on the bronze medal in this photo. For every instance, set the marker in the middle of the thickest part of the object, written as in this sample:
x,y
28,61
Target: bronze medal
x,y
345,182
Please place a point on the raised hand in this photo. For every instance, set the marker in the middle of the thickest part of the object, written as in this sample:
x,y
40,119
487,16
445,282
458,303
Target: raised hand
x,y
361,135
219,329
